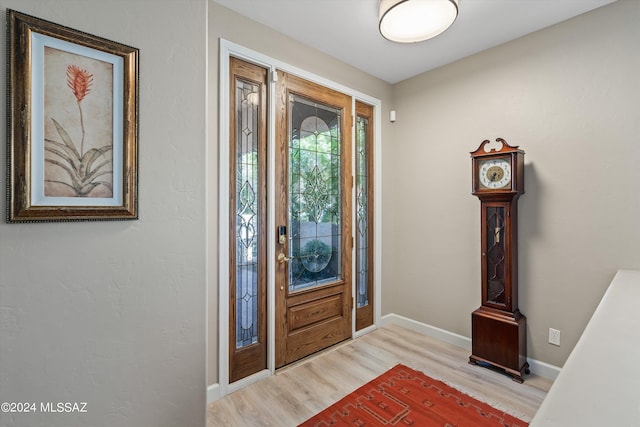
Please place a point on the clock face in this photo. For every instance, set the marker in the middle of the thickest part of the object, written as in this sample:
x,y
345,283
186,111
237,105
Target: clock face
x,y
494,173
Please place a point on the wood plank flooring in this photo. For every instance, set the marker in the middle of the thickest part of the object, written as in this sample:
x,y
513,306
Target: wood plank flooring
x,y
299,391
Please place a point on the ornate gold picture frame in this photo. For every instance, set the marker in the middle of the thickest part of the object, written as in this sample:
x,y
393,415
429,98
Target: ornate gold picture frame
x,y
72,125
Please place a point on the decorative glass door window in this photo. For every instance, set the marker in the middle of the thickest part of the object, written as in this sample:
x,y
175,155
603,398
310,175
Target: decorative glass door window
x,y
314,194
364,236
362,211
246,214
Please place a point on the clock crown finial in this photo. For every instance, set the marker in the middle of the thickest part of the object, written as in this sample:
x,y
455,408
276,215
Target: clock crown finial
x,y
497,146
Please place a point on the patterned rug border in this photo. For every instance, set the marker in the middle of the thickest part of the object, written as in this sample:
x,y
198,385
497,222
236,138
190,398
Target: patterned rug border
x,y
524,417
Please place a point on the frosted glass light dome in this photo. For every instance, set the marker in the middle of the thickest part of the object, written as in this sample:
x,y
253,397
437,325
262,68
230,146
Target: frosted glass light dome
x,y
411,21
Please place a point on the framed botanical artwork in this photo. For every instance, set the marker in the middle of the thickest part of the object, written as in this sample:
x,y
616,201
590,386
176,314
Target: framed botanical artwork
x,y
72,124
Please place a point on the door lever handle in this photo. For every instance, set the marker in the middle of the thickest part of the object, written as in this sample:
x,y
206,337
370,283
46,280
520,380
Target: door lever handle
x,y
283,258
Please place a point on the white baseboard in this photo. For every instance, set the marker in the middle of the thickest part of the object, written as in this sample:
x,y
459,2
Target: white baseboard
x,y
539,368
543,369
428,330
213,393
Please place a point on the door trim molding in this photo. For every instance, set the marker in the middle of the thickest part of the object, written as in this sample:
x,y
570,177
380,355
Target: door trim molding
x,y
227,49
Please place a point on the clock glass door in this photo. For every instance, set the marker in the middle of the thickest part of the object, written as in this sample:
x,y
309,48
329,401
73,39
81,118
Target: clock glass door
x,y
313,214
495,262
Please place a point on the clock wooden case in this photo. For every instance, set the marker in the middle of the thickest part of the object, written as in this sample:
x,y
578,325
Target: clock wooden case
x,y
498,327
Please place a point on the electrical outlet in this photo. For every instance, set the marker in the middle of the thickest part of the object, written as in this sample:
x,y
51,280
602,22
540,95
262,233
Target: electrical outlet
x,y
554,336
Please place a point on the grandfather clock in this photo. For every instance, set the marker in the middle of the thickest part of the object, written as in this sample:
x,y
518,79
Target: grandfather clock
x,y
498,328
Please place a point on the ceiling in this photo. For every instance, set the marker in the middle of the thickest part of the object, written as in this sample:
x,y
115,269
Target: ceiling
x,y
348,29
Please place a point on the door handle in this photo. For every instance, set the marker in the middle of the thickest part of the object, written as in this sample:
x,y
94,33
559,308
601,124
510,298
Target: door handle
x,y
283,258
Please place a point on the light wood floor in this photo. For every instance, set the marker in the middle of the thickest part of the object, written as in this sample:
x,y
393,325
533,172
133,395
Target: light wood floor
x,y
299,391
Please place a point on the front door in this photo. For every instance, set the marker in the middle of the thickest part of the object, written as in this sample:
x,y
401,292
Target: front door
x,y
313,201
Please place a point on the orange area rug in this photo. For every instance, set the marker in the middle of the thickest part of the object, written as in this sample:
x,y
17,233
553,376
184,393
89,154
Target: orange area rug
x,y
405,397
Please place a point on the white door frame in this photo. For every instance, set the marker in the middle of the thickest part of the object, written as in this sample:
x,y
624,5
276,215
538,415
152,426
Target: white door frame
x,y
228,49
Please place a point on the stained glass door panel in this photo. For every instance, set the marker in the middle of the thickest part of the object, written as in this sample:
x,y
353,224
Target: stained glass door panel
x,y
364,215
314,194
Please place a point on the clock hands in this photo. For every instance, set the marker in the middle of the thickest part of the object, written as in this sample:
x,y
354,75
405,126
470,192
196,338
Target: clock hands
x,y
494,173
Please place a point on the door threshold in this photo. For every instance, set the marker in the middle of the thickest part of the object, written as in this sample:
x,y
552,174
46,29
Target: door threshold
x,y
313,356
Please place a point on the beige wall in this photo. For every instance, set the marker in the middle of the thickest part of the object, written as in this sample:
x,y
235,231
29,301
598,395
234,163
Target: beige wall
x,y
113,313
228,25
569,96
561,94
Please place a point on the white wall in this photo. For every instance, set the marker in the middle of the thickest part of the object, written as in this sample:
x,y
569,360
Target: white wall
x,y
113,313
569,96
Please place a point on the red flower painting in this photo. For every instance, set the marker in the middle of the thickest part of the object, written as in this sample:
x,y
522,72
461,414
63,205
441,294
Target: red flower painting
x,y
79,81
83,168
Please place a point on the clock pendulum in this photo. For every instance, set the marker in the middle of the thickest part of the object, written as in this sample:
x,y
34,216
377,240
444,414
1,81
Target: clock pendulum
x,y
498,329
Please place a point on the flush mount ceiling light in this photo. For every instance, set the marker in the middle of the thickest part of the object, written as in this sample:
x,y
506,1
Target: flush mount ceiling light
x,y
411,21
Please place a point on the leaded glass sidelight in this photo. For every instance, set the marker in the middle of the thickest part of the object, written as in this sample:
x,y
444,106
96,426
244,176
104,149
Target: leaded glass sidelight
x,y
495,255
247,210
362,211
315,214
